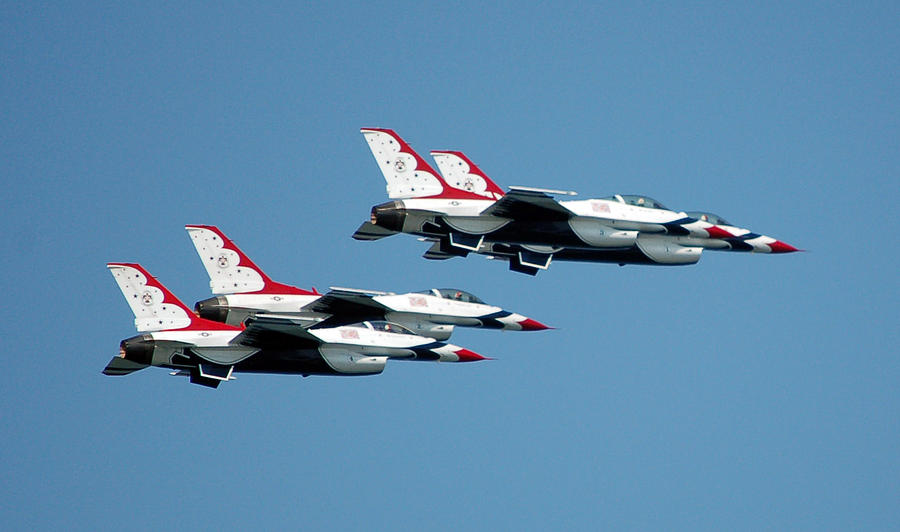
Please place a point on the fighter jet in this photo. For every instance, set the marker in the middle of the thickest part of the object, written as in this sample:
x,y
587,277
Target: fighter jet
x,y
242,290
461,211
209,352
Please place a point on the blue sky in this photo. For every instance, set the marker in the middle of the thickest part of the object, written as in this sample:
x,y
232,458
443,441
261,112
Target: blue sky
x,y
744,392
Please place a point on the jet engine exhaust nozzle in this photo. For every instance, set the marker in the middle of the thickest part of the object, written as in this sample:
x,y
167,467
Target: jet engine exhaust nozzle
x,y
214,308
137,349
390,215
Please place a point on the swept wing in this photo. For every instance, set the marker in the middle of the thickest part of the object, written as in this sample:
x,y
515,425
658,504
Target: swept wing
x,y
528,205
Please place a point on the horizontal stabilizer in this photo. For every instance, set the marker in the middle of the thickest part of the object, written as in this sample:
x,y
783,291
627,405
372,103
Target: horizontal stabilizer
x,y
370,231
120,366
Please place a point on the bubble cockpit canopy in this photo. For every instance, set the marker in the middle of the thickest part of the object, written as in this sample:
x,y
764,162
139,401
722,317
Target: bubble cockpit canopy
x,y
637,201
452,293
384,326
709,217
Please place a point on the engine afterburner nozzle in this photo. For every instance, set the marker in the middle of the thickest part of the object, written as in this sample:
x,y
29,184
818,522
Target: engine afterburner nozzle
x,y
390,215
214,308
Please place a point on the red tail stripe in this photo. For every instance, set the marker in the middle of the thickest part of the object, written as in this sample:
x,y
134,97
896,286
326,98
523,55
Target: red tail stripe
x,y
270,286
197,323
422,166
473,168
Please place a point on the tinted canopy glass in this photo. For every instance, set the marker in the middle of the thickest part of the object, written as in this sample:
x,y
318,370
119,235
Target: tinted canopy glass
x,y
387,326
637,201
453,293
709,217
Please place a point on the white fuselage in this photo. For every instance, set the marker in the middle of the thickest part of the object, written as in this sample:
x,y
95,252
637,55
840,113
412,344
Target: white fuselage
x,y
597,222
425,314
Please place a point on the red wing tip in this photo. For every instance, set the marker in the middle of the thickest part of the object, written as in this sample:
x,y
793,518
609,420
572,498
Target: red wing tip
x,y
380,129
780,247
464,355
717,232
533,325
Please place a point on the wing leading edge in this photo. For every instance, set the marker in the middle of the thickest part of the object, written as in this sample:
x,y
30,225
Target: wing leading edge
x,y
528,205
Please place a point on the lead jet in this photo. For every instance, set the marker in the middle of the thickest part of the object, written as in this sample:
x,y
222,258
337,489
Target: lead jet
x,y
242,290
461,211
209,352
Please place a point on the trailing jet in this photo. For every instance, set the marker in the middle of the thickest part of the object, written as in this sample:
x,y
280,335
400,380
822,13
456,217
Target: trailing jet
x,y
461,211
209,352
242,290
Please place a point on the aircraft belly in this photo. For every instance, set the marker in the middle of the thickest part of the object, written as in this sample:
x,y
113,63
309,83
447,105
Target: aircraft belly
x,y
679,255
352,361
598,234
286,361
226,356
578,241
551,234
668,251
630,255
476,225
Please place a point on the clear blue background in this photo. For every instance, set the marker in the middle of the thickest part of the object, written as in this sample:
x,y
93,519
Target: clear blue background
x,y
745,392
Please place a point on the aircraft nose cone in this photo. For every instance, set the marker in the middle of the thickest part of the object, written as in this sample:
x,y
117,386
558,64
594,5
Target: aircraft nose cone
x,y
465,355
533,325
780,247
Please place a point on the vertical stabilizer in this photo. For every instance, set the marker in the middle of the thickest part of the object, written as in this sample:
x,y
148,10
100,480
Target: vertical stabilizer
x,y
155,307
406,173
230,270
461,173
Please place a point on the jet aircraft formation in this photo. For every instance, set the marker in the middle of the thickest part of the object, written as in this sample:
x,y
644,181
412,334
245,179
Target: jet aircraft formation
x,y
253,324
256,325
461,211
